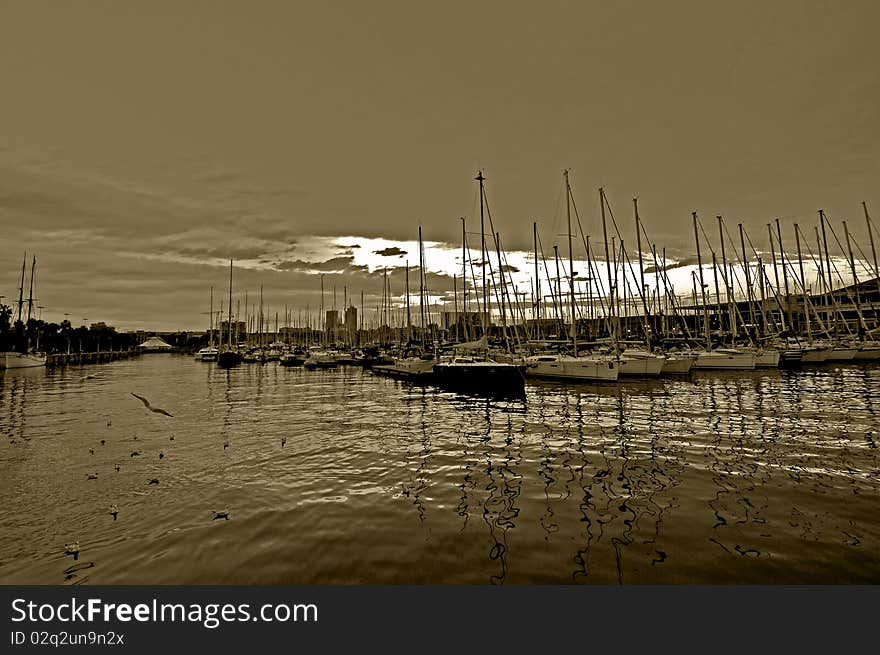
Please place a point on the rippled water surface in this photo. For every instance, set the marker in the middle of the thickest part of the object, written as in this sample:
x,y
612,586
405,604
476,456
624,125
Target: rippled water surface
x,y
344,477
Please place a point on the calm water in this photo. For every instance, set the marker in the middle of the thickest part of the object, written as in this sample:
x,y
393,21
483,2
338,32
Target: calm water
x,y
758,477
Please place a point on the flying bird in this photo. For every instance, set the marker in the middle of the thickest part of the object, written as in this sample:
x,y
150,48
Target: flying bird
x,y
147,404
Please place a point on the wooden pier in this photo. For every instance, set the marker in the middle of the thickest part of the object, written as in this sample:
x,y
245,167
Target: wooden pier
x,y
80,358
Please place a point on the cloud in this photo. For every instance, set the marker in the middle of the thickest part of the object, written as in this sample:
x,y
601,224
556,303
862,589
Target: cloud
x,y
340,265
392,251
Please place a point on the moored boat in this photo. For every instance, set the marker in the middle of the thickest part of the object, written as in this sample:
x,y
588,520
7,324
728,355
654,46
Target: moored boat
x,y
569,367
11,359
471,373
725,359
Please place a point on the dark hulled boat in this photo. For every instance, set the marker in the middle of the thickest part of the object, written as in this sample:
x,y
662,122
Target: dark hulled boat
x,y
229,357
469,373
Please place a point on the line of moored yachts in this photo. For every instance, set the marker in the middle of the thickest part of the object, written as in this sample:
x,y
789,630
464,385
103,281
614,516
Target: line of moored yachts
x,y
478,366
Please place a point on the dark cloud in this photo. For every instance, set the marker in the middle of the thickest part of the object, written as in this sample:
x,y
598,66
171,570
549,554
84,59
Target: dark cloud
x,y
334,265
686,261
393,251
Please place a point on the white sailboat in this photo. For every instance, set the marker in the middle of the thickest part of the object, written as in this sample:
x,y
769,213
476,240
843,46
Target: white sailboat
x,y
572,367
209,353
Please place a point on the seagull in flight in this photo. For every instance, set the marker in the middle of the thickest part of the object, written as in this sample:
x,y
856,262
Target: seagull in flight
x,y
150,407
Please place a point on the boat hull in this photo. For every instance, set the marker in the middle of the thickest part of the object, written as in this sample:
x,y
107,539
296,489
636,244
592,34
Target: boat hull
x,y
768,358
228,359
725,361
677,365
482,376
816,355
573,368
11,360
867,354
419,369
641,366
842,354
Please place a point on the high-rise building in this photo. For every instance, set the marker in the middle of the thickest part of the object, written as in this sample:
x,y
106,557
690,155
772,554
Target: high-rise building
x,y
351,321
332,324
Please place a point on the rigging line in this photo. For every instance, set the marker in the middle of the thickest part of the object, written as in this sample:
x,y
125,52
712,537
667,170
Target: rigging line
x,y
766,279
663,274
727,286
619,236
821,278
844,286
549,279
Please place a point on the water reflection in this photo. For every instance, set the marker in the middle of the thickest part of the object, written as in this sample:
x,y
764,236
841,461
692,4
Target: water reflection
x,y
340,477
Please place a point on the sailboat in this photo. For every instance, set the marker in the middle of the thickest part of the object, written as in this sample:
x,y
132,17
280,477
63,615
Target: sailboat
x,y
720,358
209,353
26,356
572,367
470,366
416,363
229,356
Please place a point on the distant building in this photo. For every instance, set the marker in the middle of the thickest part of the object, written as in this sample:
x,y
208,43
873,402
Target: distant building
x,y
332,324
351,320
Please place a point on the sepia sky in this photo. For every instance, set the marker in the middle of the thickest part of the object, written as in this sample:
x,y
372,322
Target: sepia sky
x,y
144,143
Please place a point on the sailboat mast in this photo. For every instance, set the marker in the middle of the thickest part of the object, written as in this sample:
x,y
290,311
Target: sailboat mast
x,y
702,286
784,271
21,288
31,291
229,321
828,265
558,293
408,316
747,270
570,265
421,287
611,289
648,328
211,321
486,319
797,243
464,302
727,282
537,278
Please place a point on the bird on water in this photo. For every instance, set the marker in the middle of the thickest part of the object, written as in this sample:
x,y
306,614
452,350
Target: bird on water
x,y
223,514
147,404
72,549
